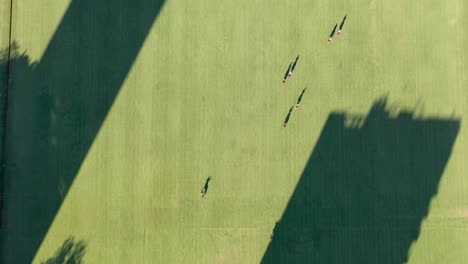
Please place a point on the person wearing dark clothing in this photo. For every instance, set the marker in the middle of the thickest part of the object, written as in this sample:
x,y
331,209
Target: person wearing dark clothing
x,y
205,188
273,232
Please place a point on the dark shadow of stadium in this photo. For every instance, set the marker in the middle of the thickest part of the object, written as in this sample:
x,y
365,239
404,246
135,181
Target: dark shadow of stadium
x,y
365,189
56,107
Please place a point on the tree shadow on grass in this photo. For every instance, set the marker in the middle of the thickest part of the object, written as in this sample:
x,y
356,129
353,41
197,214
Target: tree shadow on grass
x,y
56,107
71,252
364,190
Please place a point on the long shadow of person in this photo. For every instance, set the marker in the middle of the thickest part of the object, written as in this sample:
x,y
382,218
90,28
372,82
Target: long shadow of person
x,y
294,65
341,25
287,72
300,98
330,38
286,120
205,187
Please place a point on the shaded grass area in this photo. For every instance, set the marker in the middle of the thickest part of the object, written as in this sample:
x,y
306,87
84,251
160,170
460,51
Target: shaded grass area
x,y
5,42
365,189
57,106
3,89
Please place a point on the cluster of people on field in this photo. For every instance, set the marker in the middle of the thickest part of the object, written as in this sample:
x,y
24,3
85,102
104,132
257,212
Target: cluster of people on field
x,y
330,38
288,74
292,66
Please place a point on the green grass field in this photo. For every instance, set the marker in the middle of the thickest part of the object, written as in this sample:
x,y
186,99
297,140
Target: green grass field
x,y
198,93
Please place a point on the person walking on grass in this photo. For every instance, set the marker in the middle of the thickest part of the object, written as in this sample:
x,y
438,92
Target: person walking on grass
x,y
300,98
341,25
205,188
330,38
286,120
293,66
273,232
287,73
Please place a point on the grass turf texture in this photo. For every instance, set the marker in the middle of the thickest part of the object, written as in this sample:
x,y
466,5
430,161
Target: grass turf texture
x,y
5,23
204,97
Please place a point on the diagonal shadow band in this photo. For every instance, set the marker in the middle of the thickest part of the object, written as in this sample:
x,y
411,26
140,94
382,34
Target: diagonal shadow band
x,y
364,190
56,107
